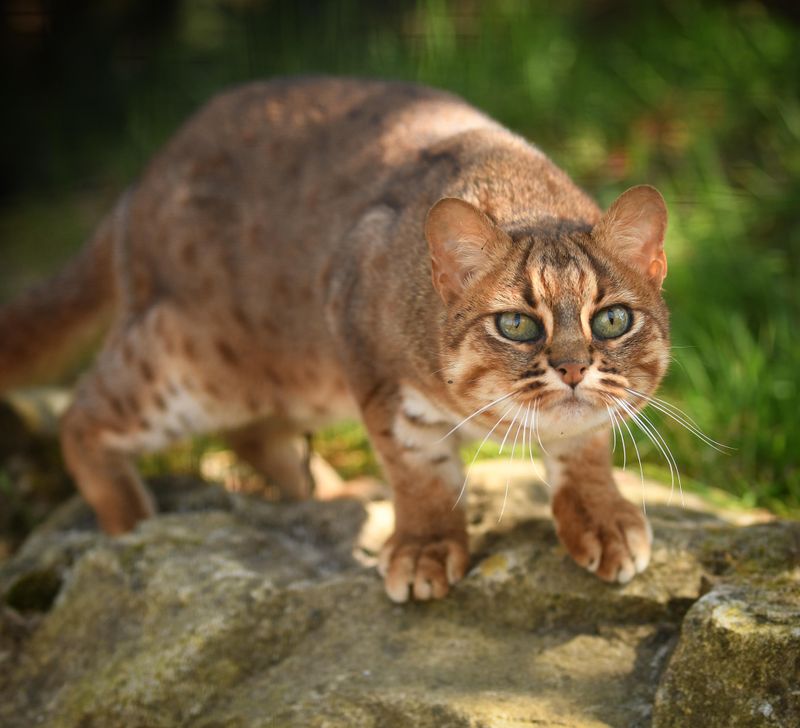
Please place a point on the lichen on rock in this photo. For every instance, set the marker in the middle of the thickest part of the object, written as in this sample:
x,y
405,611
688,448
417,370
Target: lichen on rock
x,y
230,611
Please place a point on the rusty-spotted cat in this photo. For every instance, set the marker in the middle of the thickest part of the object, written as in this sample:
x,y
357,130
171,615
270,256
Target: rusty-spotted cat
x,y
309,249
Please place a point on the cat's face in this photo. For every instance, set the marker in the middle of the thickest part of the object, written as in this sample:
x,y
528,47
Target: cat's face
x,y
558,325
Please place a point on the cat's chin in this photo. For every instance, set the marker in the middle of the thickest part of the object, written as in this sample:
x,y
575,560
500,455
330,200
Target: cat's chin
x,y
572,416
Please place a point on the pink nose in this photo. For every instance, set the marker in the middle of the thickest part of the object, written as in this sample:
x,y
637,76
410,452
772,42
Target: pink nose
x,y
571,373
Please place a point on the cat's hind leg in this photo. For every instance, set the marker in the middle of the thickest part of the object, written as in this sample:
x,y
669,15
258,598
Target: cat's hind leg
x,y
141,395
278,452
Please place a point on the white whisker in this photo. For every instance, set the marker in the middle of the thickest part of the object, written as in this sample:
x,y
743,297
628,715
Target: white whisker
x,y
530,450
536,427
478,452
650,430
475,414
613,430
681,418
508,430
511,459
636,450
614,417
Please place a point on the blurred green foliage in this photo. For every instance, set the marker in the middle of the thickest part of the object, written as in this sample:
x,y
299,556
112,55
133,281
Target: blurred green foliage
x,y
699,99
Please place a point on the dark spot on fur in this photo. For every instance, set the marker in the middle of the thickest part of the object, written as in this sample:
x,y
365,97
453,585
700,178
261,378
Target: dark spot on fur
x,y
241,318
475,374
326,276
439,459
158,322
537,372
116,405
144,423
147,371
211,388
419,421
385,433
127,353
434,158
159,402
533,386
391,201
132,403
227,353
601,293
268,326
527,293
252,403
189,349
371,394
650,367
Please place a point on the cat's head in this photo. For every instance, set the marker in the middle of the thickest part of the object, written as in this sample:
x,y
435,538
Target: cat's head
x,y
557,320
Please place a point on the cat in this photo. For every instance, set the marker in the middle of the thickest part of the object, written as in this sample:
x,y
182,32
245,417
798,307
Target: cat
x,y
308,249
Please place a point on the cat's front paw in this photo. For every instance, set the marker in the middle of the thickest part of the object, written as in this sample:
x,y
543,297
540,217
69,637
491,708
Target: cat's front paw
x,y
422,567
603,532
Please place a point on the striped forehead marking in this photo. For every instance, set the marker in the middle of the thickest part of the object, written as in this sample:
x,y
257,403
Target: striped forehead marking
x,y
562,271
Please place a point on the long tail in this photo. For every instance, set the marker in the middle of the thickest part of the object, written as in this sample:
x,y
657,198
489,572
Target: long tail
x,y
44,330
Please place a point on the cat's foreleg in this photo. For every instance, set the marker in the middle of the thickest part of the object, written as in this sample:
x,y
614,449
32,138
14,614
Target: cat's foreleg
x,y
428,551
601,530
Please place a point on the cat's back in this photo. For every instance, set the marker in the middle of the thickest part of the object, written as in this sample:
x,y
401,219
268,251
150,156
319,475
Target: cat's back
x,y
266,178
295,132
257,191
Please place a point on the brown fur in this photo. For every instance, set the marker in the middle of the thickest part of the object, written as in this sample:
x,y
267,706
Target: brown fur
x,y
271,273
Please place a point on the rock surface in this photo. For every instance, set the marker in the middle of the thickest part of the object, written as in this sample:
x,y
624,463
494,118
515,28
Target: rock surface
x,y
228,611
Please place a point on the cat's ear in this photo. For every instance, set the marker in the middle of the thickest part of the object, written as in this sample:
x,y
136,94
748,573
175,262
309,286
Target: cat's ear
x,y
463,241
634,228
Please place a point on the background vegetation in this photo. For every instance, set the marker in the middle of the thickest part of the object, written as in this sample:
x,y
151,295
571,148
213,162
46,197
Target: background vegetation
x,y
699,99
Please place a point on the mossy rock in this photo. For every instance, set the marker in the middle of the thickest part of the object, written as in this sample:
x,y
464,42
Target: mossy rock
x,y
228,611
738,659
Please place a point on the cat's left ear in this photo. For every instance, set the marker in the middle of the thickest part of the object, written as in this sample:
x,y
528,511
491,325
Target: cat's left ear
x,y
463,242
634,228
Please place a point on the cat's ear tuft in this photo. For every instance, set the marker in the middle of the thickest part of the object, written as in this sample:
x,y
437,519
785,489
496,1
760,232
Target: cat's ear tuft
x,y
463,242
634,227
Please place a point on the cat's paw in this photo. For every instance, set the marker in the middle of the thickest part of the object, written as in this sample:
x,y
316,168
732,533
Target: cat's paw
x,y
422,568
608,536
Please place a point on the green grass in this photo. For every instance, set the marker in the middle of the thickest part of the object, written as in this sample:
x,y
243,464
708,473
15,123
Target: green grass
x,y
699,99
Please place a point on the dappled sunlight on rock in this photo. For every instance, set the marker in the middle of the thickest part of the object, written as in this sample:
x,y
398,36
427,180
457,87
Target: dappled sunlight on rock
x,y
229,609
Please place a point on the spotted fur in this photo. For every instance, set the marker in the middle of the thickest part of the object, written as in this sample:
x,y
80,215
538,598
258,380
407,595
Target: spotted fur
x,y
307,249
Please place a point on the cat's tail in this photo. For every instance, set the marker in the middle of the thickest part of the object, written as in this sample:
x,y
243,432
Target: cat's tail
x,y
51,324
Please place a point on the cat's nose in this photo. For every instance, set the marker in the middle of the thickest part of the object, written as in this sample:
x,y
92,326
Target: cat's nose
x,y
571,372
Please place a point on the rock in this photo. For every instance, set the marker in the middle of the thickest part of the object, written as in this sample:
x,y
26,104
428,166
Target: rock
x,y
738,660
32,479
230,611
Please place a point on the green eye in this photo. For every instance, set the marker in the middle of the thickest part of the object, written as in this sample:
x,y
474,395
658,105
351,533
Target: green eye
x,y
611,322
519,327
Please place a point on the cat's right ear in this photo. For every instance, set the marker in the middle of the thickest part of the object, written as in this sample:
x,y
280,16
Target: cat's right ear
x,y
634,228
463,241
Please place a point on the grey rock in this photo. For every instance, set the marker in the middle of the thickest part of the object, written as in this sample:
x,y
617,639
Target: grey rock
x,y
230,611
